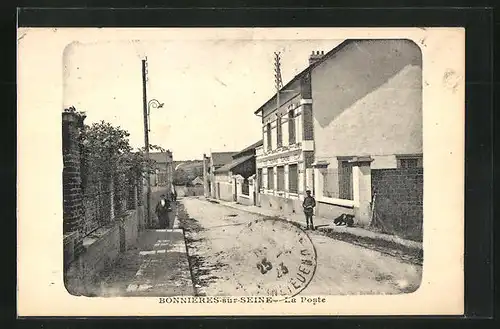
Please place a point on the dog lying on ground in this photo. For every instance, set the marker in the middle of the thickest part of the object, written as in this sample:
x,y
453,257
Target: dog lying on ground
x,y
344,219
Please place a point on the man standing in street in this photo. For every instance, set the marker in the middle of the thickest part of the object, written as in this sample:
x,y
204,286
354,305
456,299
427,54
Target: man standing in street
x,y
162,209
308,205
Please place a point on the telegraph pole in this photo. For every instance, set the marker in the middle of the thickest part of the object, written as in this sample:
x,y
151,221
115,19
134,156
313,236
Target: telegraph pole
x,y
146,143
277,77
277,80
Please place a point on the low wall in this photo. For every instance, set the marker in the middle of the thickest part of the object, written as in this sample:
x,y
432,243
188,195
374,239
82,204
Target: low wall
x,y
184,191
100,251
245,199
331,211
291,206
284,205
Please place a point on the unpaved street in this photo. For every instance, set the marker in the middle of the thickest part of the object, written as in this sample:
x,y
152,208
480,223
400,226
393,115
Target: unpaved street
x,y
219,241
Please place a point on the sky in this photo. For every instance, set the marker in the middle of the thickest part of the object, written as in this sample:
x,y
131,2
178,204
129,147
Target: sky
x,y
210,88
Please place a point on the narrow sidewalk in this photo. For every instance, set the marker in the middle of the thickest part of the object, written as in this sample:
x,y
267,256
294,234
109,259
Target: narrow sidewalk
x,y
327,226
157,266
164,269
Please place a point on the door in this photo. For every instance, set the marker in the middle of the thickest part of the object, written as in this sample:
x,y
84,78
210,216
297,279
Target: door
x,y
257,187
218,191
235,189
345,180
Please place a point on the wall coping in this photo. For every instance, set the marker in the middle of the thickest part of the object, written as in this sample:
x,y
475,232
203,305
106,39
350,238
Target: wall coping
x,y
103,231
361,159
97,235
337,202
321,164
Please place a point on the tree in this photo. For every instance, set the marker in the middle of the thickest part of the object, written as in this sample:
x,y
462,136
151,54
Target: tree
x,y
106,150
181,177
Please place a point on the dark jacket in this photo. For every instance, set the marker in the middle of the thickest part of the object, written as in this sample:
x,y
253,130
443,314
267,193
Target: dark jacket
x,y
162,210
308,204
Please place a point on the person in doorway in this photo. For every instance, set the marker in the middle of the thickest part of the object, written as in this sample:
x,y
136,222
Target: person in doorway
x,y
308,205
162,209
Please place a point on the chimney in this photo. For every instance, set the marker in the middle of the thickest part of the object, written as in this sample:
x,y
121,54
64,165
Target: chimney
x,y
315,56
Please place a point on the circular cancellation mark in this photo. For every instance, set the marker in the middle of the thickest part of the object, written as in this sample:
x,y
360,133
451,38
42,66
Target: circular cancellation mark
x,y
275,258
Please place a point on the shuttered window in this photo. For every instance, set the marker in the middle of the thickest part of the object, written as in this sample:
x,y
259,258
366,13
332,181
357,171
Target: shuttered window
x,y
269,137
270,178
281,178
293,179
291,128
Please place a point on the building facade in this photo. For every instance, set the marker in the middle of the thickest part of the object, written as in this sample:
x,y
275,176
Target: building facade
x,y
210,164
164,169
232,179
354,109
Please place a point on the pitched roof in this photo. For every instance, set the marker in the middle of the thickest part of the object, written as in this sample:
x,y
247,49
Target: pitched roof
x,y
197,180
221,158
234,163
309,68
248,148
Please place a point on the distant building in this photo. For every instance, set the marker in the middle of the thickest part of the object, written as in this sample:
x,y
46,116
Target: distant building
x,y
353,110
210,164
164,171
198,181
242,166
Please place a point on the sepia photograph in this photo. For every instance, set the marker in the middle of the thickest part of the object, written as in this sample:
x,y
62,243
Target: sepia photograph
x,y
241,168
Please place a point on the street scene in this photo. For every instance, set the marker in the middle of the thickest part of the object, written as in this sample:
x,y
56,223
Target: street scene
x,y
282,168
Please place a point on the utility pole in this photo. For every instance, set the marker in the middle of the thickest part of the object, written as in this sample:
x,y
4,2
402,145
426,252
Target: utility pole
x,y
277,77
146,143
277,80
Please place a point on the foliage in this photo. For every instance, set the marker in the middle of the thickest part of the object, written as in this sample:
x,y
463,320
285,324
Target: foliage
x,y
106,151
81,115
181,177
187,171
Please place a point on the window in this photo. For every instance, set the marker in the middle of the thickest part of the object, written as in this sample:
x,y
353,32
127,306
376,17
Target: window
x,y
293,178
259,178
291,128
270,179
268,132
409,161
281,178
279,140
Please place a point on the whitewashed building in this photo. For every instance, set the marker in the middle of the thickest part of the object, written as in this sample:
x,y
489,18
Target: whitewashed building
x,y
354,109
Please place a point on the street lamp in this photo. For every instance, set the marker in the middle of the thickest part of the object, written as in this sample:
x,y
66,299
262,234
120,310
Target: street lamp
x,y
151,104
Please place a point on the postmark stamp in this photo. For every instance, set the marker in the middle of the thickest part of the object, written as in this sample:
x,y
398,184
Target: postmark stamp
x,y
280,258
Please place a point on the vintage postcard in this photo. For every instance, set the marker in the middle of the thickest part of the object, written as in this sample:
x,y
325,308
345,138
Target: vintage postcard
x,y
249,171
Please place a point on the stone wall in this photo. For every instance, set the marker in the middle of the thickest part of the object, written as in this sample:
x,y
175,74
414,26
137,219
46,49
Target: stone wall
x,y
90,249
100,251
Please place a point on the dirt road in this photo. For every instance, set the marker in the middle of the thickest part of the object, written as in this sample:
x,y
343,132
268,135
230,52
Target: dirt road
x,y
221,251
